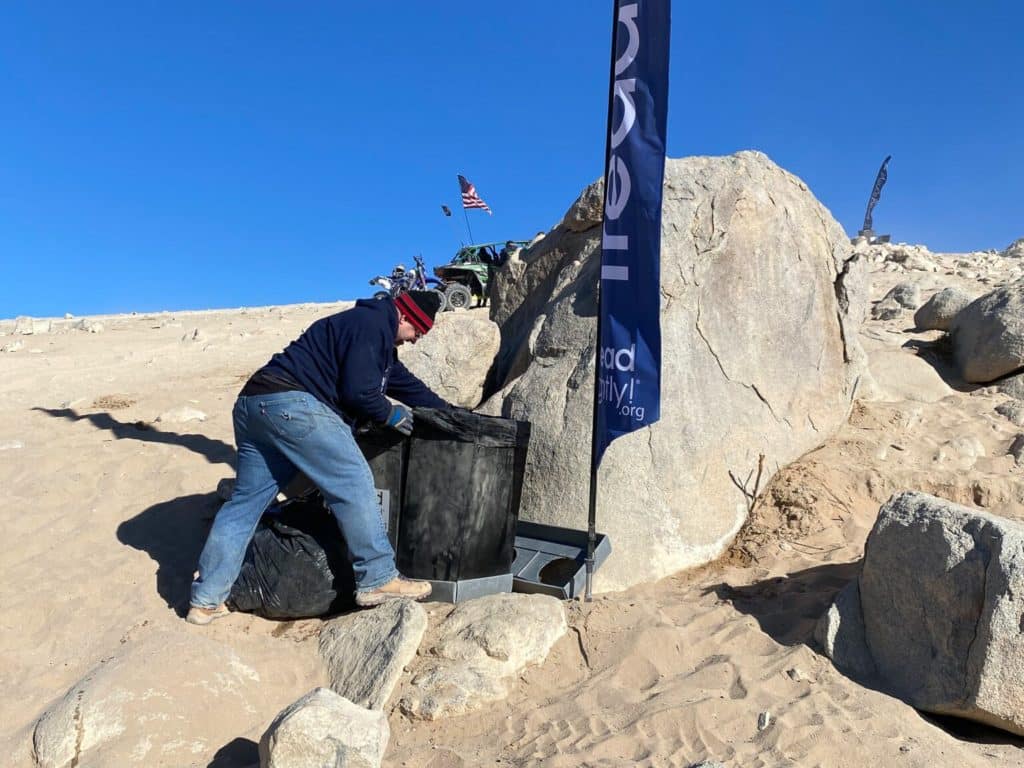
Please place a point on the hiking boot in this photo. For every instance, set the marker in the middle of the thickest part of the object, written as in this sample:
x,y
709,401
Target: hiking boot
x,y
202,616
397,589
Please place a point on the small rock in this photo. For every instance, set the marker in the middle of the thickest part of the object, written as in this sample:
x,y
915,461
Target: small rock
x,y
482,646
967,447
938,313
907,295
707,764
28,326
764,720
1013,411
91,326
195,335
1016,449
325,729
796,675
887,309
181,415
1012,386
13,346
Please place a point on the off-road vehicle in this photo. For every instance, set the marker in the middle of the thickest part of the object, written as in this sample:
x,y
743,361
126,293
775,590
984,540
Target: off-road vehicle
x,y
467,276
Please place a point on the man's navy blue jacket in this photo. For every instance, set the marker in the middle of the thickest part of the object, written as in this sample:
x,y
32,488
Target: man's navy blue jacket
x,y
349,362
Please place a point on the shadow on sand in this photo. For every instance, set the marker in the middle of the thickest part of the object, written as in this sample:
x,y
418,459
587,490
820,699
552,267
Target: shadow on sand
x,y
215,451
172,533
939,355
238,753
787,608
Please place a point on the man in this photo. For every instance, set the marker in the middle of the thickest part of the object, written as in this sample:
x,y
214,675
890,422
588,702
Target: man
x,y
296,413
507,253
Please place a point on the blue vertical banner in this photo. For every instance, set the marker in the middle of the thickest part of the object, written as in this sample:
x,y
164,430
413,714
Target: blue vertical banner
x,y
628,385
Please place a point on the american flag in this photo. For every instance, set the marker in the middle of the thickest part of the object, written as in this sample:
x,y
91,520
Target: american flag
x,y
470,199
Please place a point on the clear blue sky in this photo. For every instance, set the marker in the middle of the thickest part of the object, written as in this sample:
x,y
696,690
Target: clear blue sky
x,y
177,155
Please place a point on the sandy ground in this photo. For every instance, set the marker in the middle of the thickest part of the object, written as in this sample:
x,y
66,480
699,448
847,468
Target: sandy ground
x,y
104,511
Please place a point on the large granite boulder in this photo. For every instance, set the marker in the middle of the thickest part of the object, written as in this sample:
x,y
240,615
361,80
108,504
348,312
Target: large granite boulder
x,y
761,301
454,358
938,313
935,616
988,334
128,711
325,730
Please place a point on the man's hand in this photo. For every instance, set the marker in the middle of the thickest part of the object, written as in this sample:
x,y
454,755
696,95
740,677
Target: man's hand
x,y
400,419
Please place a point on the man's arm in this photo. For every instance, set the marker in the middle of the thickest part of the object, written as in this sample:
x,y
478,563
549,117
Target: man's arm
x,y
406,388
362,364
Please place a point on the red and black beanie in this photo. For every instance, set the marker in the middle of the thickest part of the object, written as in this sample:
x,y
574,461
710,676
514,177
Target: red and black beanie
x,y
419,308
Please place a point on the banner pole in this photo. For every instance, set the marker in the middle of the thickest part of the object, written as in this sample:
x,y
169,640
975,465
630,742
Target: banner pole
x,y
594,459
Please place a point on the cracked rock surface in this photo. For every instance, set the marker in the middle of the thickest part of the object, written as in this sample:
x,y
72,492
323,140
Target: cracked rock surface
x,y
109,717
761,300
938,620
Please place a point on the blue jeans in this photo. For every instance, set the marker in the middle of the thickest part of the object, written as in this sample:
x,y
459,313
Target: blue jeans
x,y
276,435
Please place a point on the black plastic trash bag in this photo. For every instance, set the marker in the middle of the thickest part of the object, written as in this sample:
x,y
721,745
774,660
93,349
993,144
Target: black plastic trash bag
x,y
296,566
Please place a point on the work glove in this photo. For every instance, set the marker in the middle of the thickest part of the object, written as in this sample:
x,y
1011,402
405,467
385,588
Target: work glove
x,y
400,419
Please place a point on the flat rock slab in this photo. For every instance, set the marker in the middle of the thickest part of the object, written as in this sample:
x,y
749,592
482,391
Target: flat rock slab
x,y
935,616
366,652
181,415
325,730
482,645
129,712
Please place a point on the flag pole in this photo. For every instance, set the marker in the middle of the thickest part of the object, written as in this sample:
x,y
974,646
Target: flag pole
x,y
467,224
594,460
451,222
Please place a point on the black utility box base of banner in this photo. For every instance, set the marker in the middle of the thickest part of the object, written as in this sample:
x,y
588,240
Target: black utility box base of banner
x,y
449,496
552,561
467,589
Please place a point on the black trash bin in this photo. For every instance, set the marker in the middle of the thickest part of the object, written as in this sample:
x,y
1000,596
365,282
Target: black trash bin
x,y
450,495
